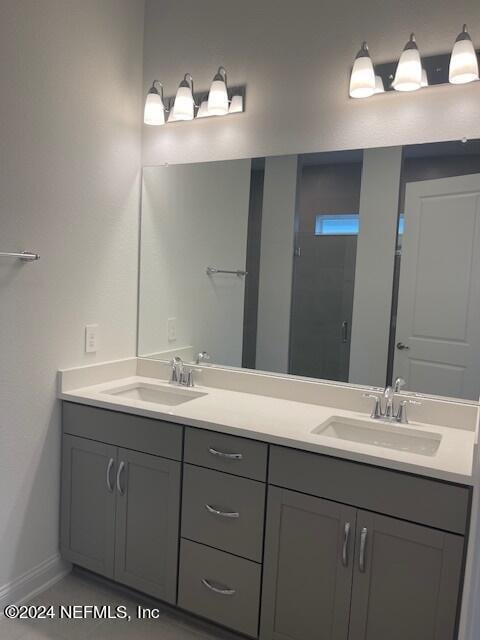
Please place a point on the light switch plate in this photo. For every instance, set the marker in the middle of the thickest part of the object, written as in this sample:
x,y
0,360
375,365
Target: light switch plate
x,y
91,338
172,329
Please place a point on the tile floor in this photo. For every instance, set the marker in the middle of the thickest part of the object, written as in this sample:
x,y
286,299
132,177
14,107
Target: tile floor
x,y
81,589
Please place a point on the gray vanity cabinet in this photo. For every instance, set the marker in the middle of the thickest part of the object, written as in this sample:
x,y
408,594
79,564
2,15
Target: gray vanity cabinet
x,y
308,568
336,573
147,524
406,581
121,507
88,504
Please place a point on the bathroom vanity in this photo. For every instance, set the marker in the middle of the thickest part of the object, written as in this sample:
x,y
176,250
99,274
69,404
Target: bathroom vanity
x,y
268,527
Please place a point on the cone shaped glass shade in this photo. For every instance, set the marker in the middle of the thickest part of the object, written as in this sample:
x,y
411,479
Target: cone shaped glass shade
x,y
362,80
464,61
424,78
379,88
203,111
218,99
236,106
154,113
183,106
408,76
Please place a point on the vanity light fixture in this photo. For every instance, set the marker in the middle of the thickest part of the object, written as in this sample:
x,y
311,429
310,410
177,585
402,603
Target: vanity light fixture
x,y
188,105
154,112
218,96
408,76
463,63
413,72
184,105
362,79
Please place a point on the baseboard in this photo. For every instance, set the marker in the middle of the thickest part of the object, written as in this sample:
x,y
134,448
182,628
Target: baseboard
x,y
34,581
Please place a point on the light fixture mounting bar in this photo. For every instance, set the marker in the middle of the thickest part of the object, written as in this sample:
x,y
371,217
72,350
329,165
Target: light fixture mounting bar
x,y
436,67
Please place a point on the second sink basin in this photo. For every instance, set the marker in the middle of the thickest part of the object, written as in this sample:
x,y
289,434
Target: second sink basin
x,y
389,436
145,392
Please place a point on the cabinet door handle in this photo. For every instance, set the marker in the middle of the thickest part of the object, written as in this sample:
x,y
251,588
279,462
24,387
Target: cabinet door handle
x,y
111,462
222,592
223,454
346,538
223,514
119,474
363,548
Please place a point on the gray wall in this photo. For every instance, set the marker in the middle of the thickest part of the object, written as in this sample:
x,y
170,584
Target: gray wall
x,y
276,263
70,114
372,299
295,59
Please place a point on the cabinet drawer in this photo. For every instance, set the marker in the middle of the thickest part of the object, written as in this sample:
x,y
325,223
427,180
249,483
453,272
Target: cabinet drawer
x,y
220,587
223,511
239,456
431,502
123,430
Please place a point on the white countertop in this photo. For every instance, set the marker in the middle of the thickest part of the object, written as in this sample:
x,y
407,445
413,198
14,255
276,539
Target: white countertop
x,y
289,423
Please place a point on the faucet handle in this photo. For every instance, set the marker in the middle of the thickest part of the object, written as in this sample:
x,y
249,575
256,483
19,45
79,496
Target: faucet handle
x,y
377,407
398,384
402,410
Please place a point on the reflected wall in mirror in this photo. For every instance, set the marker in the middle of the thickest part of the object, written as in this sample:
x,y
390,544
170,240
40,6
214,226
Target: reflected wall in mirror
x,y
355,266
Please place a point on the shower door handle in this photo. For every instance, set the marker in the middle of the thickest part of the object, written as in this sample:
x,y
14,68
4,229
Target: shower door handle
x,y
345,331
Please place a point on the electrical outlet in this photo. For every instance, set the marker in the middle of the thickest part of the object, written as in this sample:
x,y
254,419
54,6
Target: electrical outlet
x,y
172,329
91,338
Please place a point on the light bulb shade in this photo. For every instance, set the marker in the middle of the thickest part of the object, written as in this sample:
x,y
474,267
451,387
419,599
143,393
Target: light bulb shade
x,y
362,80
379,88
184,106
154,112
203,111
408,76
218,98
464,61
236,105
424,78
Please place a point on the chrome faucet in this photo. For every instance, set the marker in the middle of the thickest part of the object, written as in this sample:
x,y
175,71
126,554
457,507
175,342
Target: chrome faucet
x,y
180,374
384,407
202,357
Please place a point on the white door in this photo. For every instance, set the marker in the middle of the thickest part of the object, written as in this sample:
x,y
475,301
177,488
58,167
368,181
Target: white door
x,y
437,346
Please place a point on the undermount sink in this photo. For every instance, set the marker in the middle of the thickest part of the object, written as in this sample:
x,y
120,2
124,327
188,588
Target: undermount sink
x,y
145,392
389,436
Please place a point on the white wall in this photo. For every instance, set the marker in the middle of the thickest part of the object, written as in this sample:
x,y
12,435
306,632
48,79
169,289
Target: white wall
x,y
295,58
276,263
372,299
70,109
194,216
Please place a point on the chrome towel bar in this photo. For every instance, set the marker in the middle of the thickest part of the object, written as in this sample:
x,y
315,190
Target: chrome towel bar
x,y
237,272
26,256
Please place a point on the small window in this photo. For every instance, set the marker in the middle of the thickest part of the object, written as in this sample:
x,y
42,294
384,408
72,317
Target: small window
x,y
343,224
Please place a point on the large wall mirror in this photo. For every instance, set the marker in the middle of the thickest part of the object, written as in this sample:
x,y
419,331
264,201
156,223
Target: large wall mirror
x,y
354,266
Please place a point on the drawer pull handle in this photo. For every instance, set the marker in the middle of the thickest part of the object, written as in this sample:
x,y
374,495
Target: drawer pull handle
x,y
221,592
111,462
363,546
222,454
346,536
223,514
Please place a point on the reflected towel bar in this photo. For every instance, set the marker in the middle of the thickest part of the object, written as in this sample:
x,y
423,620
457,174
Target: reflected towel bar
x,y
237,272
26,256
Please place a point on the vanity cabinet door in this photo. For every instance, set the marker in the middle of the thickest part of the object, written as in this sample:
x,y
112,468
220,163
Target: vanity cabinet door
x,y
88,504
406,581
148,513
308,568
